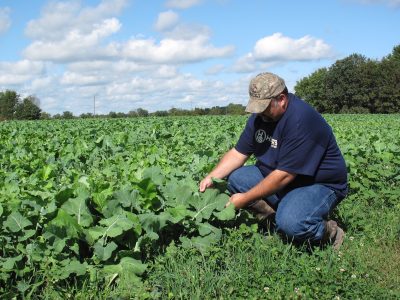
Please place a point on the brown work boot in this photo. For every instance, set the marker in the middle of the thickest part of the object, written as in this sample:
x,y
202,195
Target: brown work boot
x,y
261,210
333,234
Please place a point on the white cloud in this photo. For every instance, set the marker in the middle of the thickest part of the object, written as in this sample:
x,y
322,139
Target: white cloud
x,y
277,48
60,18
71,78
245,64
5,21
187,32
13,73
76,45
182,4
166,71
173,51
166,20
40,83
111,67
281,48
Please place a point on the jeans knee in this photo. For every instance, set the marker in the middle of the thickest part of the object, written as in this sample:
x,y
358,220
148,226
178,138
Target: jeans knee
x,y
293,228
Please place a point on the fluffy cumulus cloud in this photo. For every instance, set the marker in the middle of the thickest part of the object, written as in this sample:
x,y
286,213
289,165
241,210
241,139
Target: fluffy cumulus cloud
x,y
14,73
71,78
5,20
67,33
74,53
58,19
182,4
245,64
278,47
76,45
174,51
166,20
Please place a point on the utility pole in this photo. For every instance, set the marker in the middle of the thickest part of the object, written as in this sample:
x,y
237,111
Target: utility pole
x,y
94,106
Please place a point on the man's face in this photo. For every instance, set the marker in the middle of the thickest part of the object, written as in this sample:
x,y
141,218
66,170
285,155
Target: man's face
x,y
275,109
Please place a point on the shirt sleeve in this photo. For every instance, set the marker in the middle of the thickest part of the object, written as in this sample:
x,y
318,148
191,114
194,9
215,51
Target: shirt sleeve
x,y
245,144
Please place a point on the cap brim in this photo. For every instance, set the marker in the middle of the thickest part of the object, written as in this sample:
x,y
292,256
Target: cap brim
x,y
257,106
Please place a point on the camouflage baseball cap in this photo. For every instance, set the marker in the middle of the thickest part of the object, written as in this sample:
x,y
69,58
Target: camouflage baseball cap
x,y
262,89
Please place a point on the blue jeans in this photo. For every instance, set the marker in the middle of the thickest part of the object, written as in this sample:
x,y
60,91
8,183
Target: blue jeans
x,y
300,214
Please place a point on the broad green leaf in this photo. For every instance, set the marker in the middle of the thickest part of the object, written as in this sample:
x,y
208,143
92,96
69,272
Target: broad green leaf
x,y
63,195
112,208
128,197
64,226
177,193
111,227
104,253
101,198
226,214
206,203
116,225
155,174
77,207
153,223
9,263
76,267
178,213
47,171
201,243
135,221
151,236
16,222
206,228
27,234
128,267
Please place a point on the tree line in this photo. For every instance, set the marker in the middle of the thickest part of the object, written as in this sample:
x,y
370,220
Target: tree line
x,y
13,107
230,109
355,84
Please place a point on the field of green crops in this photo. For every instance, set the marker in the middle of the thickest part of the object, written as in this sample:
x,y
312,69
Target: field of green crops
x,y
110,209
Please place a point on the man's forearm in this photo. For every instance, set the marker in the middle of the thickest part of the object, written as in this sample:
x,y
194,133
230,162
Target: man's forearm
x,y
271,184
228,163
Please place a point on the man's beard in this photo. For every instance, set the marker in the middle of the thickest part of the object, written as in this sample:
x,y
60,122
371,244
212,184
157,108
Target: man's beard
x,y
266,119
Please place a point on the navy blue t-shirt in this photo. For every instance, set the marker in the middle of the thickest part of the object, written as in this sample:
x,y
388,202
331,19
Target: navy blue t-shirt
x,y
300,142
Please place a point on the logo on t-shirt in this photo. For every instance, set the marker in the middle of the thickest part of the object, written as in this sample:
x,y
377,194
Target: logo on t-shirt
x,y
274,143
261,136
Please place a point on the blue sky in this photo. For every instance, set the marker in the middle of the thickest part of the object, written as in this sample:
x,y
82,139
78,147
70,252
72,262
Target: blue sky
x,y
178,53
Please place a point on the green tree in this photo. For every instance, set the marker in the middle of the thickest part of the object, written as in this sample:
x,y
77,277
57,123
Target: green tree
x,y
27,109
313,90
67,115
45,115
235,109
8,104
142,112
389,83
86,115
344,82
112,114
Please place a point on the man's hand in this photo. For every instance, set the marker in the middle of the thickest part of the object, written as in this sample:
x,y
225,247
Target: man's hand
x,y
228,163
238,200
205,184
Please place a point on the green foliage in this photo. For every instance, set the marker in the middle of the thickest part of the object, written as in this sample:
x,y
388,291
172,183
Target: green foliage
x,y
111,208
8,102
354,84
12,108
67,115
27,110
